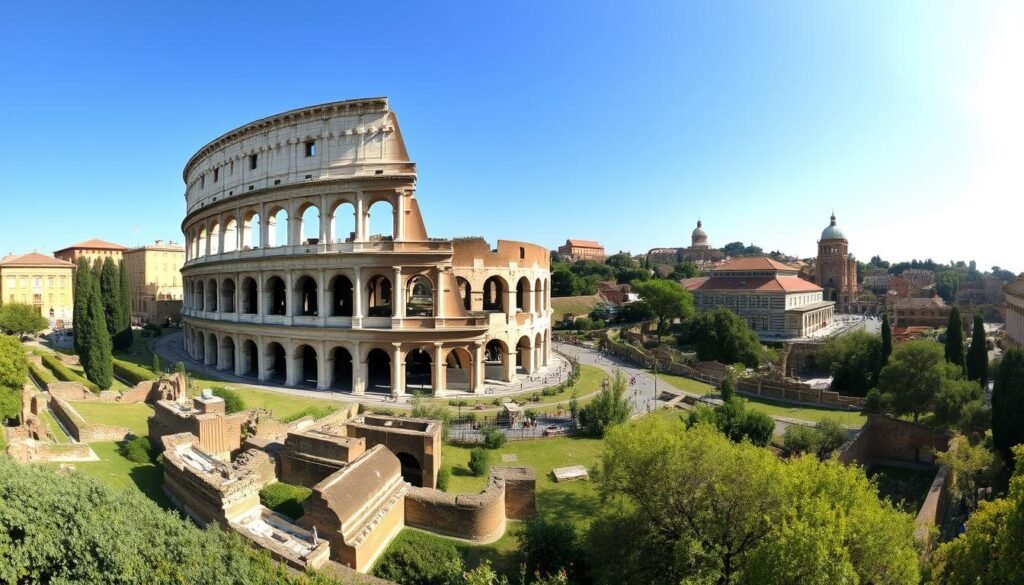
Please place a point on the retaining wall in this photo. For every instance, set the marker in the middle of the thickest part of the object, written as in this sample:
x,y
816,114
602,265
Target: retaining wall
x,y
477,517
82,430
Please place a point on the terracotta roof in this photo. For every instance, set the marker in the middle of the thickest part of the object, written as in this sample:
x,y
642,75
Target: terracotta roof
x,y
93,245
1016,287
584,244
790,284
761,263
34,259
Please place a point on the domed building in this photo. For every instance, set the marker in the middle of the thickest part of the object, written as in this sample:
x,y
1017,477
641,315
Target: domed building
x,y
699,239
836,271
288,280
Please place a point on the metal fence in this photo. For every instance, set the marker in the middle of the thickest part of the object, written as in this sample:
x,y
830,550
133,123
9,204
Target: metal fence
x,y
469,429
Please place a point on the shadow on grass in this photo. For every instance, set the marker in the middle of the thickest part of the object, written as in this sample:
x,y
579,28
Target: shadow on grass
x,y
571,505
149,478
460,471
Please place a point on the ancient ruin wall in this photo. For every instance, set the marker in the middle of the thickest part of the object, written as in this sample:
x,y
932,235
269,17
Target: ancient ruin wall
x,y
520,491
477,517
82,430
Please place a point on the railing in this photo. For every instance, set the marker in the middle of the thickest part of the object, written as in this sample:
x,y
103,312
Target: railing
x,y
468,429
404,247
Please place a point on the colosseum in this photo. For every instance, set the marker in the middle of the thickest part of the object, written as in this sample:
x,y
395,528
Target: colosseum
x,y
288,280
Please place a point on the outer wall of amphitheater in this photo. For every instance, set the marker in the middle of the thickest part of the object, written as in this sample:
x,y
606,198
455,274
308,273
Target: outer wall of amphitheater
x,y
308,264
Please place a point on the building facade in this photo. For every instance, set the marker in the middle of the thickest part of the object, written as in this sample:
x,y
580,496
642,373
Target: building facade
x,y
285,280
776,303
155,274
1015,311
920,312
41,281
575,250
700,250
836,267
91,250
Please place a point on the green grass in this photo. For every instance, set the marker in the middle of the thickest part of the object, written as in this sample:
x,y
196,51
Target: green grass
x,y
3,442
844,417
686,384
131,416
59,435
579,306
116,386
285,498
119,473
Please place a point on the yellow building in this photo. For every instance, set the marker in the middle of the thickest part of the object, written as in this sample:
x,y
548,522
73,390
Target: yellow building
x,y
41,281
155,274
92,250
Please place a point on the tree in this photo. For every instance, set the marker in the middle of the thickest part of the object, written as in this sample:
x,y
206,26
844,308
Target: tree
x,y
734,420
636,312
99,366
913,377
124,337
21,319
973,467
955,339
886,342
110,292
1008,404
479,461
415,558
621,260
683,270
549,545
696,508
610,407
977,355
423,407
13,365
952,398
727,389
667,301
80,316
854,360
724,336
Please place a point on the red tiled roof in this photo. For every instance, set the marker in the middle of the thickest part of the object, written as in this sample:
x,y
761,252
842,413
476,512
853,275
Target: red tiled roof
x,y
761,263
584,244
93,245
790,284
33,259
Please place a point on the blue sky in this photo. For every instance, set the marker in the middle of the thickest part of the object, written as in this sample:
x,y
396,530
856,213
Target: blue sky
x,y
621,122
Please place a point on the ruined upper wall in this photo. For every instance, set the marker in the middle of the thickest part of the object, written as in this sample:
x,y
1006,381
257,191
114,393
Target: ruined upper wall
x,y
476,252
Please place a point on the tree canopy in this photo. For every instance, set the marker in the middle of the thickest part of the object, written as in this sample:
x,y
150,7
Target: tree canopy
x,y
21,319
955,339
977,355
913,377
666,299
610,407
854,360
1008,404
724,336
92,337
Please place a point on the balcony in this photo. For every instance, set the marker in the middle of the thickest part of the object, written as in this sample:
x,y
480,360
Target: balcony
x,y
405,247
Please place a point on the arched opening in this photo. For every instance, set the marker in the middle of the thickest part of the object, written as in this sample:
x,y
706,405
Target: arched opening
x,y
307,364
341,296
211,295
419,297
277,228
523,295
200,296
199,347
250,359
215,239
494,294
418,371
538,352
306,303
211,350
465,292
202,242
459,369
524,356
378,298
231,235
309,224
378,371
277,363
343,222
251,231
274,296
495,356
250,296
227,296
411,470
227,354
538,297
341,368
380,222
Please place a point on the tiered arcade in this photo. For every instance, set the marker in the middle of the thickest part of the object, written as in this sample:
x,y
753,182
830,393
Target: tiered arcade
x,y
288,280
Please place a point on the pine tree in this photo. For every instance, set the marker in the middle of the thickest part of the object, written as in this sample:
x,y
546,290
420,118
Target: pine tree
x,y
1008,404
80,314
124,337
886,339
110,292
100,367
977,355
955,339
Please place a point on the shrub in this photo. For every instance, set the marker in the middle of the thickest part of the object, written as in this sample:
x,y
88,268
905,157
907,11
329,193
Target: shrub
x,y
832,435
758,427
10,405
479,461
64,374
434,410
312,411
416,558
550,545
42,374
132,373
232,400
444,477
285,498
469,417
494,438
800,439
136,449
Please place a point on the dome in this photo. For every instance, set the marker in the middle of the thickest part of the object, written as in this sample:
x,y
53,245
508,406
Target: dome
x,y
832,232
700,230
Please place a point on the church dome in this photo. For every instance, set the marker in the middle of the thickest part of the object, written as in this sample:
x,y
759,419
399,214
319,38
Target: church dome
x,y
699,232
832,232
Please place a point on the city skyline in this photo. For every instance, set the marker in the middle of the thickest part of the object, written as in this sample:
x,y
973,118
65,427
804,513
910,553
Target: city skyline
x,y
901,119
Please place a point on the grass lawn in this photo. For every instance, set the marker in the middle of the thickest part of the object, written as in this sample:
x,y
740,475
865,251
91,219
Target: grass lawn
x,y
580,306
844,417
686,384
59,435
131,416
120,473
3,441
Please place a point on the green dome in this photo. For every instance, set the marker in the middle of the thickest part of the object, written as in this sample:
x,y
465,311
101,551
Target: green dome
x,y
832,232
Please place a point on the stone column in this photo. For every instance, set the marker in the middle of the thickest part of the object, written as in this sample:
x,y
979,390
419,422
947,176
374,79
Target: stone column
x,y
264,227
358,371
400,217
289,294
325,221
323,369
322,306
510,303
293,361
438,380
238,356
360,218
357,299
398,294
476,378
510,366
397,369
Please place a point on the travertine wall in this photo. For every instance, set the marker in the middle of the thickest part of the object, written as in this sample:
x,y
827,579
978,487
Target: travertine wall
x,y
81,430
477,517
309,457
418,438
520,491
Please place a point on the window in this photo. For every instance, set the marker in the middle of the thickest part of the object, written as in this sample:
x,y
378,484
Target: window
x,y
11,282
202,181
216,174
231,168
310,148
252,162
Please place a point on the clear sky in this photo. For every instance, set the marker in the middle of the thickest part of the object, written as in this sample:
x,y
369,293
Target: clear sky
x,y
617,121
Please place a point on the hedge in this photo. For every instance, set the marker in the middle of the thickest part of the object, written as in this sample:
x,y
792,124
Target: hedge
x,y
42,374
285,498
132,373
64,374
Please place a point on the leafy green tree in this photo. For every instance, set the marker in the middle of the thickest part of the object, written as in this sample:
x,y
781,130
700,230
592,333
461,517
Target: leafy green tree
x,y
99,367
479,461
736,421
854,360
610,407
21,319
667,301
157,368
125,335
973,467
724,336
914,376
977,355
727,389
632,276
1008,404
549,545
697,508
951,400
621,260
955,339
423,407
684,270
886,342
636,312
13,373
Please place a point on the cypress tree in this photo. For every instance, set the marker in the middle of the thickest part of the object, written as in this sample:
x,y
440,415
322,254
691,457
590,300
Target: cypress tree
x,y
124,338
80,315
100,369
1008,404
955,339
97,268
886,344
977,355
110,292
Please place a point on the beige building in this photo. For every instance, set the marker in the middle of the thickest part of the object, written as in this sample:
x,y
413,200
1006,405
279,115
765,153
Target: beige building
x,y
41,281
155,274
285,280
575,250
1015,311
91,250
